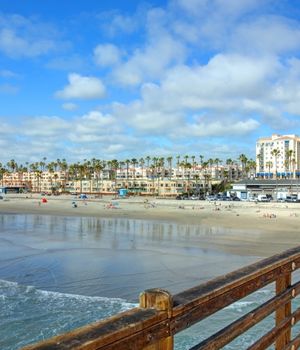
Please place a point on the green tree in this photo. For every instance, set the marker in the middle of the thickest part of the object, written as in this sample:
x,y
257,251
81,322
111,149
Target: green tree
x,y
275,153
269,165
243,160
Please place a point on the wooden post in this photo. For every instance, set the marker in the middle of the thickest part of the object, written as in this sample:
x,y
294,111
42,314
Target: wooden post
x,y
160,300
282,283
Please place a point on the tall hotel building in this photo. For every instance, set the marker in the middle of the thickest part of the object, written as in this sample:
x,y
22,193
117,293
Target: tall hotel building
x,y
279,153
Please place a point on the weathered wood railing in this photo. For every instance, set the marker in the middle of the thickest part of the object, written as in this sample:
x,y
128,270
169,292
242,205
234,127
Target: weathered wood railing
x,y
160,315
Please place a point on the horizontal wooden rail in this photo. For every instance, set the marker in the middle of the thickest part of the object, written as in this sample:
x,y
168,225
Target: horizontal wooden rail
x,y
270,337
134,325
227,334
160,316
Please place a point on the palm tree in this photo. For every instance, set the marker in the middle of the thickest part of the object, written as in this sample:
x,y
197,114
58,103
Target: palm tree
x,y
229,163
114,164
50,168
55,183
148,158
81,171
250,165
217,161
275,153
161,164
127,161
134,162
193,162
210,162
201,159
243,159
142,164
2,172
260,162
12,165
169,160
98,168
186,157
293,163
269,164
289,155
206,175
39,176
177,165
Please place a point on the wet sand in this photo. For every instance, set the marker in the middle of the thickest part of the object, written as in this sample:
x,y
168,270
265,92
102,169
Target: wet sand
x,y
259,229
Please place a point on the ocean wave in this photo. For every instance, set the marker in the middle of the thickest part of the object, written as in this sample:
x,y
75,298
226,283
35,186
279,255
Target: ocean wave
x,y
240,305
8,288
29,314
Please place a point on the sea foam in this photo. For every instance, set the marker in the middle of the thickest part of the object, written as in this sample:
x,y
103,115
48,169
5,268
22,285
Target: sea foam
x,y
29,314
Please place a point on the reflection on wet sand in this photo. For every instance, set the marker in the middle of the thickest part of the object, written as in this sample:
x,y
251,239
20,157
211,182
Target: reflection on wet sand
x,y
114,257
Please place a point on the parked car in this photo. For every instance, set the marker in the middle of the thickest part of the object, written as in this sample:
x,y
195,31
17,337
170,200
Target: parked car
x,y
292,198
194,197
237,199
225,198
182,196
263,198
1,197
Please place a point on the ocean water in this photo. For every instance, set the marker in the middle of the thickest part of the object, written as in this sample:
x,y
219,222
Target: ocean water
x,y
29,314
59,273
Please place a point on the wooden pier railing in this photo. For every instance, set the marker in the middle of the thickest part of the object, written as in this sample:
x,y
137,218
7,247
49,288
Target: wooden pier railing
x,y
160,315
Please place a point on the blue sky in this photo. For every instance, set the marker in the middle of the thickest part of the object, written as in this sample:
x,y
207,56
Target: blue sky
x,y
130,79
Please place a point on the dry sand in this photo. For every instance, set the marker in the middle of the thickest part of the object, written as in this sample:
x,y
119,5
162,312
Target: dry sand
x,y
261,229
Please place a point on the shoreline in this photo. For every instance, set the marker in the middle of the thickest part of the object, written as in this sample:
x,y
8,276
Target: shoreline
x,y
272,227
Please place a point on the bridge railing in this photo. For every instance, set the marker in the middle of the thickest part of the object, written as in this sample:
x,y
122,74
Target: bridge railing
x,y
160,315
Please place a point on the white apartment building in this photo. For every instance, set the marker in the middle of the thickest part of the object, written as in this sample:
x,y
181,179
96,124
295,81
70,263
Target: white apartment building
x,y
162,181
278,153
36,181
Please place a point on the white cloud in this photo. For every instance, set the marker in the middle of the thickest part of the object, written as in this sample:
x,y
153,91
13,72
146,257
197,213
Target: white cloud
x,y
219,128
44,126
27,37
115,24
199,72
268,34
150,62
14,46
221,84
67,63
8,89
96,123
5,73
81,87
160,51
6,129
144,119
106,55
69,106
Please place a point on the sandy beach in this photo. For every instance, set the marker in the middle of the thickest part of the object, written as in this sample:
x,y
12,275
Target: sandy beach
x,y
256,228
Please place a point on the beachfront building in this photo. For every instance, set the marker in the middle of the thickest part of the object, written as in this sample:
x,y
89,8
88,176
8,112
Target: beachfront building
x,y
277,188
157,180
36,181
278,156
149,184
146,186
